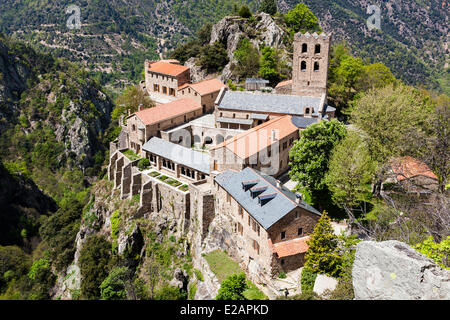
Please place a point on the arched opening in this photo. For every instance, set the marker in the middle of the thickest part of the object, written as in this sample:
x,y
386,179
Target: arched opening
x,y
316,66
219,138
317,49
197,139
304,48
307,111
303,66
208,140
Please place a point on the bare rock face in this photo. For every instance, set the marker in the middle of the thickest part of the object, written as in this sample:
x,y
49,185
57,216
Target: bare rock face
x,y
180,279
392,270
229,31
197,74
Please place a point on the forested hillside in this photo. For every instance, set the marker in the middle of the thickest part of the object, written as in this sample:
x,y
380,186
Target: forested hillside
x,y
116,36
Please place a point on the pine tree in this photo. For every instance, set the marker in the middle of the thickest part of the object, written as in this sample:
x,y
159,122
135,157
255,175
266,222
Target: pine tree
x,y
268,6
322,255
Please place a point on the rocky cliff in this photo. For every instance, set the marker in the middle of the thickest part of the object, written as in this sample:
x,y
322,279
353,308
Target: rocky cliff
x,y
42,99
391,270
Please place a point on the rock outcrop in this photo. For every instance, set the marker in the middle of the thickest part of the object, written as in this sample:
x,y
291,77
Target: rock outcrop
x,y
264,31
391,270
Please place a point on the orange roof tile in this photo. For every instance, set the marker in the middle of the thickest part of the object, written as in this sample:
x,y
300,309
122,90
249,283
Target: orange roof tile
x,y
290,247
165,67
258,138
205,87
408,167
284,83
167,111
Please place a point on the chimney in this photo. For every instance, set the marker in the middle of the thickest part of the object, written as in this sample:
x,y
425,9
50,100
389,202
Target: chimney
x,y
129,112
299,197
274,135
278,184
141,106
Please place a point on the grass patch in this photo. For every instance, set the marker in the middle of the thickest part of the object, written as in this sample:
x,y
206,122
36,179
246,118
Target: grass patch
x,y
223,267
184,187
154,174
170,181
198,275
253,293
131,155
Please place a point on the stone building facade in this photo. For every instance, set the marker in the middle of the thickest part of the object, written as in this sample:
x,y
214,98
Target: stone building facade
x,y
147,123
265,148
204,93
266,228
310,64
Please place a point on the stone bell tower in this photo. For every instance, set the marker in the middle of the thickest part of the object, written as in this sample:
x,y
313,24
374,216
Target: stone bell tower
x,y
310,64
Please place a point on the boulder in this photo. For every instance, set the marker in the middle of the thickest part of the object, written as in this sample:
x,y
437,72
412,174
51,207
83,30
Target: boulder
x,y
324,283
392,270
180,279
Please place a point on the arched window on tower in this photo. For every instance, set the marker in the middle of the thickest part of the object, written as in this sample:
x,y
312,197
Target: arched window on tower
x,y
317,49
316,66
303,66
304,48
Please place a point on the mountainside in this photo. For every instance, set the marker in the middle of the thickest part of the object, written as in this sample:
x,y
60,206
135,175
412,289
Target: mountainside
x,y
412,42
116,36
52,117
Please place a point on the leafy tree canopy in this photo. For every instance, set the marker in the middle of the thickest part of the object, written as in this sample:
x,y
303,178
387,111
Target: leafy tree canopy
x,y
310,154
268,6
301,19
233,288
131,99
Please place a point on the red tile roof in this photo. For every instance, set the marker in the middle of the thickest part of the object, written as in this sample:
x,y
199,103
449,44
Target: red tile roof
x,y
408,167
205,87
258,138
290,247
167,111
168,68
284,83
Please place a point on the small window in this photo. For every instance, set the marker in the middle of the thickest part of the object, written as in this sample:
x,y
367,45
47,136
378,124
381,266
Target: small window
x,y
241,211
297,215
282,261
283,235
300,231
228,198
307,111
304,48
316,66
317,49
234,115
303,66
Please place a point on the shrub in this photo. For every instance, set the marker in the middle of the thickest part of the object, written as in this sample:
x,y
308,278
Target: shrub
x,y
439,252
308,279
113,287
282,275
170,293
143,164
94,262
198,274
233,288
245,12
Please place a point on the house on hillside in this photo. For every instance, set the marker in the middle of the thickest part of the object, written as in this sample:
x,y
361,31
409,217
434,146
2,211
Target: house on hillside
x,y
269,224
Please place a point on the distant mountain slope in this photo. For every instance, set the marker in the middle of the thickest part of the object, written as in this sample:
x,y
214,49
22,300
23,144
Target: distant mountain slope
x,y
413,41
117,35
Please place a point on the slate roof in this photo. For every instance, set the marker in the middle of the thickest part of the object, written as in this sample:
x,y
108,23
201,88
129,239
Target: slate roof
x,y
272,103
256,80
303,122
178,154
268,213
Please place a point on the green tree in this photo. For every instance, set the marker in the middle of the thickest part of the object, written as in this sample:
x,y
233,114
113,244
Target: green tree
x,y
245,12
301,19
247,57
310,154
322,255
350,173
376,75
391,120
213,57
439,252
268,6
114,286
131,99
269,65
94,265
233,288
